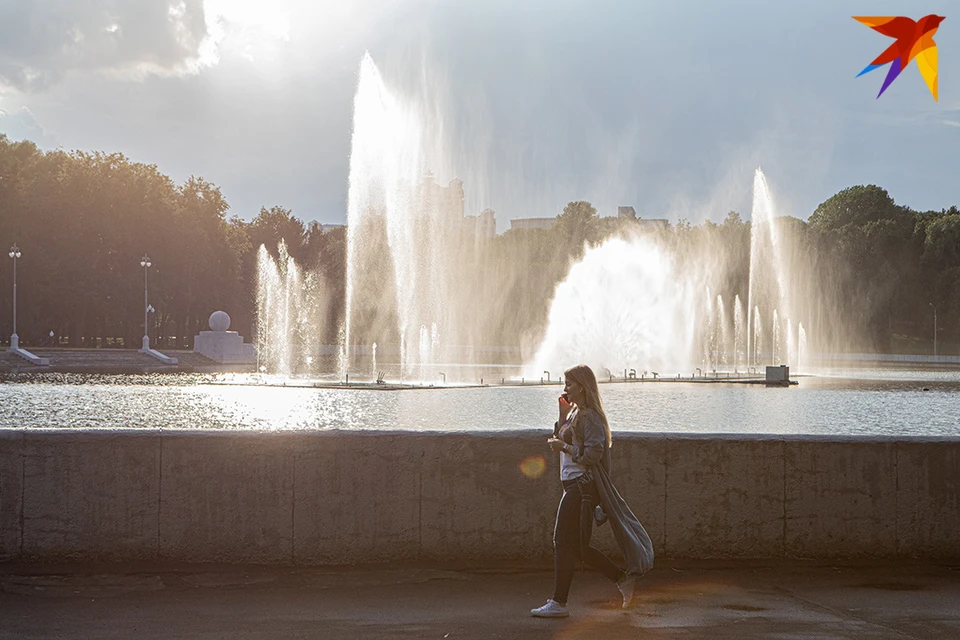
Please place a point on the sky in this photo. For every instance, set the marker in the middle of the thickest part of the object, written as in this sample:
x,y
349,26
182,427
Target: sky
x,y
668,106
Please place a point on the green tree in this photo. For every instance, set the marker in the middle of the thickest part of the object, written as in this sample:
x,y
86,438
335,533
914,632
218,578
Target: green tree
x,y
275,224
869,240
854,206
940,271
576,226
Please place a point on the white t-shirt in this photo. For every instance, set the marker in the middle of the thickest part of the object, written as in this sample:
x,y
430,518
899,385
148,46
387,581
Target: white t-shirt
x,y
568,468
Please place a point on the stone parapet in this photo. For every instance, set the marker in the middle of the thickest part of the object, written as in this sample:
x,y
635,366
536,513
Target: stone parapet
x,y
352,497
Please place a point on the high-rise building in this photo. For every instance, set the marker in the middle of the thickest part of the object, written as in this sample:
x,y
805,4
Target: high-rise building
x,y
629,213
445,204
485,224
532,223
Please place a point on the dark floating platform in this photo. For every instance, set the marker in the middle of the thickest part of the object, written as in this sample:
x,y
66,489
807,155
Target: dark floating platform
x,y
303,383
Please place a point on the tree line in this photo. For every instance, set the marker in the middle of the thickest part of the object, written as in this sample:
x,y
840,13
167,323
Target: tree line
x,y
84,220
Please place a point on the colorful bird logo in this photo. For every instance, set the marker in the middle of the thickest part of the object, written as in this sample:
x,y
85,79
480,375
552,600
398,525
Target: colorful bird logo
x,y
914,40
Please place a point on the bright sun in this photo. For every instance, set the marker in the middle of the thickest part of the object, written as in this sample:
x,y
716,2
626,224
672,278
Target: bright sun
x,y
251,28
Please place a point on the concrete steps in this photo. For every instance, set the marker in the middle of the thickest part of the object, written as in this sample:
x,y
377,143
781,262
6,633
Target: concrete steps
x,y
8,359
113,361
117,358
190,359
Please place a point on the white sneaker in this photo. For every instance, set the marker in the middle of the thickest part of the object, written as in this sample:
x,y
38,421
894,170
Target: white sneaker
x,y
552,609
626,589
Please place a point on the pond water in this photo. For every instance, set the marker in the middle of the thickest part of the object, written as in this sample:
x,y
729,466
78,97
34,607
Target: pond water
x,y
893,402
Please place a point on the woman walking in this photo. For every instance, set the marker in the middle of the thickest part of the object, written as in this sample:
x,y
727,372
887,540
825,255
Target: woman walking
x,y
582,438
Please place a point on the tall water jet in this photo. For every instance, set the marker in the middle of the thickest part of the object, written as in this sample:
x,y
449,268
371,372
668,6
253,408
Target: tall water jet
x,y
290,307
767,286
267,282
722,334
424,351
757,336
801,347
384,151
739,346
775,339
708,338
791,345
411,252
342,369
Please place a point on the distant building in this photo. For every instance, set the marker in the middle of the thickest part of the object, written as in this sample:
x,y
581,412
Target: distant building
x,y
532,223
629,213
445,205
484,225
326,228
654,223
445,202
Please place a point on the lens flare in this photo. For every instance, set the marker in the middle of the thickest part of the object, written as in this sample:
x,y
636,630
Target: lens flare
x,y
533,467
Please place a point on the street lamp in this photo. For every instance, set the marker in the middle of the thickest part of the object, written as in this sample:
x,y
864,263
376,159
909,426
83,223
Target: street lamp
x,y
14,339
934,330
146,264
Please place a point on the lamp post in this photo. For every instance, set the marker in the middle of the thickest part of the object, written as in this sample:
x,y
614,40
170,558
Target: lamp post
x,y
14,339
146,264
934,330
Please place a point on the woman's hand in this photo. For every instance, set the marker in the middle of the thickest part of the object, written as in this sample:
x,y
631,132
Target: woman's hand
x,y
565,407
556,445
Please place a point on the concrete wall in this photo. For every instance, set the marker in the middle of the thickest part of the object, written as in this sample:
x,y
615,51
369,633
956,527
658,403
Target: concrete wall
x,y
352,497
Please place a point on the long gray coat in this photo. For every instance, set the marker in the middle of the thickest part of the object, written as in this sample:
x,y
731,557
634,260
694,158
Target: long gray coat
x,y
591,450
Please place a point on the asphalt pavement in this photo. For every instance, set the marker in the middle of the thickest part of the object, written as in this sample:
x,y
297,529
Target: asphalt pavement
x,y
736,601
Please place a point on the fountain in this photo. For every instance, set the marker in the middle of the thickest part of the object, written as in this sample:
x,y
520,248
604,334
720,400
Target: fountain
x,y
722,337
739,347
757,336
775,339
412,254
618,308
420,283
291,307
801,346
629,303
768,288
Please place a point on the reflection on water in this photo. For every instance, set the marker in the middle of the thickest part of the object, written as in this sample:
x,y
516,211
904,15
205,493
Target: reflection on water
x,y
841,402
931,374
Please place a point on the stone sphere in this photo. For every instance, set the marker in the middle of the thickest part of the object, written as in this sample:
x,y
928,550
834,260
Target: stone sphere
x,y
219,321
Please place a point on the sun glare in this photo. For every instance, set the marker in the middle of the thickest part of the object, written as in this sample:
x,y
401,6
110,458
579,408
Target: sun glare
x,y
250,28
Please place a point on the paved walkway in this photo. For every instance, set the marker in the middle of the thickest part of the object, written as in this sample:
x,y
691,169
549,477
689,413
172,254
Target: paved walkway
x,y
865,603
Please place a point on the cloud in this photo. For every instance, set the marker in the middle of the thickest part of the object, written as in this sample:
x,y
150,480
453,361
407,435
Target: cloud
x,y
40,42
244,26
22,125
949,115
44,40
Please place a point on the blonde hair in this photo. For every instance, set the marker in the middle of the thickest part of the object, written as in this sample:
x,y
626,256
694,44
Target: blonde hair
x,y
584,376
